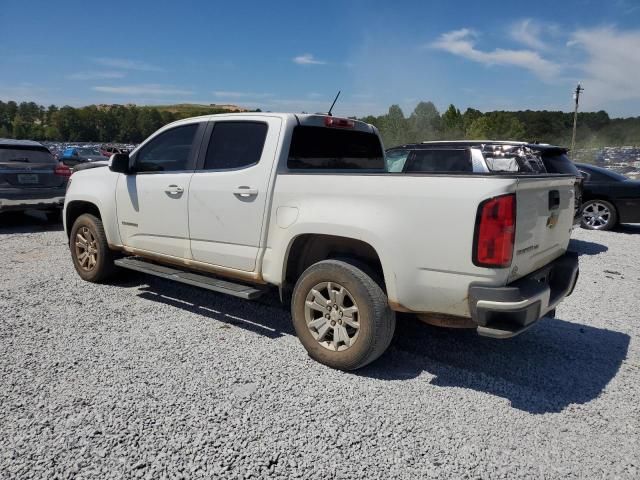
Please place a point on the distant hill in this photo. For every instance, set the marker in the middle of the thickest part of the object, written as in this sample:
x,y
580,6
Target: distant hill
x,y
195,108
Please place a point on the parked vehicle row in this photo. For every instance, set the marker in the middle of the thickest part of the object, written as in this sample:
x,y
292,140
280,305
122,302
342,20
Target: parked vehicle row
x,y
238,203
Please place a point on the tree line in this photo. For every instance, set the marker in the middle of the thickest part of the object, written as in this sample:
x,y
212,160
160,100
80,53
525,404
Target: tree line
x,y
110,123
595,129
132,124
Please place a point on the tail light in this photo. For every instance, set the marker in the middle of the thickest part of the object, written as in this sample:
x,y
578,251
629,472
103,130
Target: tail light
x,y
339,122
62,170
495,232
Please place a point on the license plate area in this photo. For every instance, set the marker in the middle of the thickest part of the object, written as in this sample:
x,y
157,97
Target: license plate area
x,y
28,179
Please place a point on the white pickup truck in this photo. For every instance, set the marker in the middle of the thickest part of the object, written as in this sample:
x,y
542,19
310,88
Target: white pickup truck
x,y
236,203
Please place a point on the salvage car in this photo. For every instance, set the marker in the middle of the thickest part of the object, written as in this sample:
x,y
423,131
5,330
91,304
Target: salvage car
x,y
74,156
485,156
238,203
31,179
610,198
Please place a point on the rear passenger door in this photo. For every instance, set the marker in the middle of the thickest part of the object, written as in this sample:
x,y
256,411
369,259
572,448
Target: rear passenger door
x,y
229,190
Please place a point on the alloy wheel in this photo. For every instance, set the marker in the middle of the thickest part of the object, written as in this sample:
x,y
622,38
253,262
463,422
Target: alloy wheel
x,y
86,249
332,316
596,215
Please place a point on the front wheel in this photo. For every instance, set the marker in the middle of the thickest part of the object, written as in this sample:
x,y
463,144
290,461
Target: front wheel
x,y
90,251
341,315
598,215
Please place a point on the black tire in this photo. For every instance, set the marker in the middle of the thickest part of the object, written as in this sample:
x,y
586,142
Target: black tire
x,y
103,268
586,220
376,320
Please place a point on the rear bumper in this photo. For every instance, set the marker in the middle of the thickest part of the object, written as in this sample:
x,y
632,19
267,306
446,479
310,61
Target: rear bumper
x,y
502,312
24,199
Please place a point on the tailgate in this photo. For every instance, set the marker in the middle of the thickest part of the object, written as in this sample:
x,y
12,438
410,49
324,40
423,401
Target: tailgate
x,y
544,219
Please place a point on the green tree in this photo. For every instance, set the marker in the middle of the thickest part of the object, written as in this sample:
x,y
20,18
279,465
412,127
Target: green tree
x,y
21,127
424,123
149,120
393,127
496,126
452,124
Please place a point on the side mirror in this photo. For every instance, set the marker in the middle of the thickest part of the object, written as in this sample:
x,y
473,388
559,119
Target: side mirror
x,y
119,163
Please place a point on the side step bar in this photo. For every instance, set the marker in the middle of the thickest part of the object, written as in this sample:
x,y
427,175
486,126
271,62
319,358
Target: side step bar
x,y
196,279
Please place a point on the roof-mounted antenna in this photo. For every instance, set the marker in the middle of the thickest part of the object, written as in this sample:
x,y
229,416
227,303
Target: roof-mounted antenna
x,y
334,102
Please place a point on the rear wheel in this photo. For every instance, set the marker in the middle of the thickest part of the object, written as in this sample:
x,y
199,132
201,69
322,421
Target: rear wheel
x,y
598,215
341,315
90,251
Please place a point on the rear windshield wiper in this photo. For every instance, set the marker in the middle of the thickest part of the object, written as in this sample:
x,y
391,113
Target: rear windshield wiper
x,y
24,159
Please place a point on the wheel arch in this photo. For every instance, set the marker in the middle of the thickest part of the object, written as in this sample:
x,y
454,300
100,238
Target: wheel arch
x,y
75,208
306,249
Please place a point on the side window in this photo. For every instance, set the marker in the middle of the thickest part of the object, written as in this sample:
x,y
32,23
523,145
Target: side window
x,y
168,152
440,161
235,145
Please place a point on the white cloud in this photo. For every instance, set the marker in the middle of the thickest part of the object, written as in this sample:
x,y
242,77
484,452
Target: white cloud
x,y
528,33
307,59
95,75
611,68
463,43
127,64
145,89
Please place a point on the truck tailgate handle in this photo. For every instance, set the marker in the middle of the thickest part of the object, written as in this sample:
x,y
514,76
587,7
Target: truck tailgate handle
x,y
245,191
554,199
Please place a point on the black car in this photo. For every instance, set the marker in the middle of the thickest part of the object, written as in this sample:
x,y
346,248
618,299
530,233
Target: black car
x,y
30,178
484,156
609,198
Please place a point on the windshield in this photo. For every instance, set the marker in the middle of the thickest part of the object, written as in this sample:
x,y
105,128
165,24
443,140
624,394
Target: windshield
x,y
25,154
89,152
319,148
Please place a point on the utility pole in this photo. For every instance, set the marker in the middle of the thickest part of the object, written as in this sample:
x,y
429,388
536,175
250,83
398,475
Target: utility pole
x,y
576,97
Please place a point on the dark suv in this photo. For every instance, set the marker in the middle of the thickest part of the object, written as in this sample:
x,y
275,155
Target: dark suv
x,y
484,157
30,178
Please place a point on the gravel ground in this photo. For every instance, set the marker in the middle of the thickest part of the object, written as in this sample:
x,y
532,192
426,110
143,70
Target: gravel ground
x,y
149,379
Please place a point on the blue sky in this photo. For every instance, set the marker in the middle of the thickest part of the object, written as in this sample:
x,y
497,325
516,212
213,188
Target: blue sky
x,y
294,56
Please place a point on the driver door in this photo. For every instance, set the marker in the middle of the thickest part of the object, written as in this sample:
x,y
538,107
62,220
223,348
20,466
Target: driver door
x,y
152,201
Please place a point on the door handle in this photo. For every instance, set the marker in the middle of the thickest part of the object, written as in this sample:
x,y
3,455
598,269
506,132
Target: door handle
x,y
174,190
244,191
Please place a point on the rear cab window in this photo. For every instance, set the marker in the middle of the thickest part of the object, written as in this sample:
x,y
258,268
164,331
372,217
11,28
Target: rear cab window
x,y
321,148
